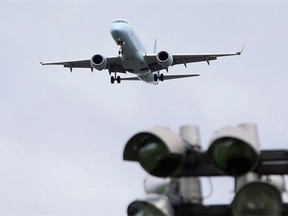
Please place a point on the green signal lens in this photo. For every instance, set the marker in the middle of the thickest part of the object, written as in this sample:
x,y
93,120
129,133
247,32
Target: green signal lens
x,y
233,156
155,157
257,198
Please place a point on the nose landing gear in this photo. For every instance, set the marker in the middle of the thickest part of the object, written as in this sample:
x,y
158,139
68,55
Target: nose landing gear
x,y
120,44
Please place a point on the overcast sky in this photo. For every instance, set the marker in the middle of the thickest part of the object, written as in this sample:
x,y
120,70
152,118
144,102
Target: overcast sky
x,y
62,135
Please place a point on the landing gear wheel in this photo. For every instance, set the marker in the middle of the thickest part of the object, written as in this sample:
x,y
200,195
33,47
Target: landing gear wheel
x,y
112,80
161,77
118,79
156,77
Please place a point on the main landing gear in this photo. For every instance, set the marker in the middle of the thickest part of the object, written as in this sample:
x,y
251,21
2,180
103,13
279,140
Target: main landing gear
x,y
120,52
115,78
158,77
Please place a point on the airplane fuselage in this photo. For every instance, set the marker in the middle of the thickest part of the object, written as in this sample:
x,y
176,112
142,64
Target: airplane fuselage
x,y
131,50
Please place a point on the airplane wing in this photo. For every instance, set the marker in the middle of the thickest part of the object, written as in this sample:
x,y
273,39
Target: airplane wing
x,y
114,64
151,59
166,77
185,59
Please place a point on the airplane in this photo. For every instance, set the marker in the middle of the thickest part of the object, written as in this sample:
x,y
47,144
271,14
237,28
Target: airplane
x,y
133,58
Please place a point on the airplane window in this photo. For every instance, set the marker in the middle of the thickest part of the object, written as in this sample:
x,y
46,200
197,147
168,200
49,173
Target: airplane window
x,y
120,21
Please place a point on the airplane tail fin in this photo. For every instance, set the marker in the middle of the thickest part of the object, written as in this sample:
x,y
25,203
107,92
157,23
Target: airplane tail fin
x,y
155,46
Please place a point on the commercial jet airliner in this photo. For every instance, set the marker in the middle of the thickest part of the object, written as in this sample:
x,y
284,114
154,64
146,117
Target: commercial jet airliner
x,y
133,58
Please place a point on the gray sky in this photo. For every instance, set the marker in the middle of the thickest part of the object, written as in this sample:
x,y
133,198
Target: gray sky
x,y
62,135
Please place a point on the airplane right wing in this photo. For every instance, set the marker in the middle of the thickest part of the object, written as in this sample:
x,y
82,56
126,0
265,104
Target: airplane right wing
x,y
114,64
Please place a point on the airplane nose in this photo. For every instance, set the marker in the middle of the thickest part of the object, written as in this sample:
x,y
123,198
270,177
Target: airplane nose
x,y
117,30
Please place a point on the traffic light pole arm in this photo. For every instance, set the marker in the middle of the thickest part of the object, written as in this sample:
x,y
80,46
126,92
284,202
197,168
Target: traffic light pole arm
x,y
271,162
199,210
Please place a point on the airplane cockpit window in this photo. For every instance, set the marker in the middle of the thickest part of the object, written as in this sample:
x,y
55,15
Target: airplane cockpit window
x,y
120,21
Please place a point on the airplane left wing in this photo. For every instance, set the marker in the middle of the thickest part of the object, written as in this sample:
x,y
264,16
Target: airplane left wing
x,y
114,64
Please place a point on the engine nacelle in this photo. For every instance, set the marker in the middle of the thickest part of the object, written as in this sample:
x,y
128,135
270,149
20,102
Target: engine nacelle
x,y
164,59
98,62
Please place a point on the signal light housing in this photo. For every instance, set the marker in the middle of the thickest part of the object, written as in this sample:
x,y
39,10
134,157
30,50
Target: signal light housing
x,y
257,197
159,151
152,204
235,150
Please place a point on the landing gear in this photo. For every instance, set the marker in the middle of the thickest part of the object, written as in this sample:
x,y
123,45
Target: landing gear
x,y
120,52
158,77
112,80
161,77
155,77
117,78
120,44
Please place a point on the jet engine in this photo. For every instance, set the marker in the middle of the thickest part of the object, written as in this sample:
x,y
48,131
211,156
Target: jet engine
x,y
164,59
98,62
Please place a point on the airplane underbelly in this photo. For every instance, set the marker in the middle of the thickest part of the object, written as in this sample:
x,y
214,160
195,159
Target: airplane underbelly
x,y
134,64
148,77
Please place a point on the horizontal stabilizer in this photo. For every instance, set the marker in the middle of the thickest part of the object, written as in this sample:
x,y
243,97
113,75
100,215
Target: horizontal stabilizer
x,y
131,78
166,77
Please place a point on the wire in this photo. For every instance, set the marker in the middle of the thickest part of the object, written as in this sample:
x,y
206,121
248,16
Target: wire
x,y
211,189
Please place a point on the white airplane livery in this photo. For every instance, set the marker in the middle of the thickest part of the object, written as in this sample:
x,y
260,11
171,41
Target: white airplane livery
x,y
133,58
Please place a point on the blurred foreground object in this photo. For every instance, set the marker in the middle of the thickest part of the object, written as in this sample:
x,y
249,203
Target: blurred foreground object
x,y
180,162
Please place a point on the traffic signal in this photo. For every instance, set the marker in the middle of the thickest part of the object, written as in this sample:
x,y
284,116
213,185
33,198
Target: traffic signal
x,y
152,204
232,151
160,151
235,150
258,196
162,194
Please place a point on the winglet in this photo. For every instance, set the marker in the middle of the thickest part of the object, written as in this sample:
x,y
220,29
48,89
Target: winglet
x,y
239,53
40,60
